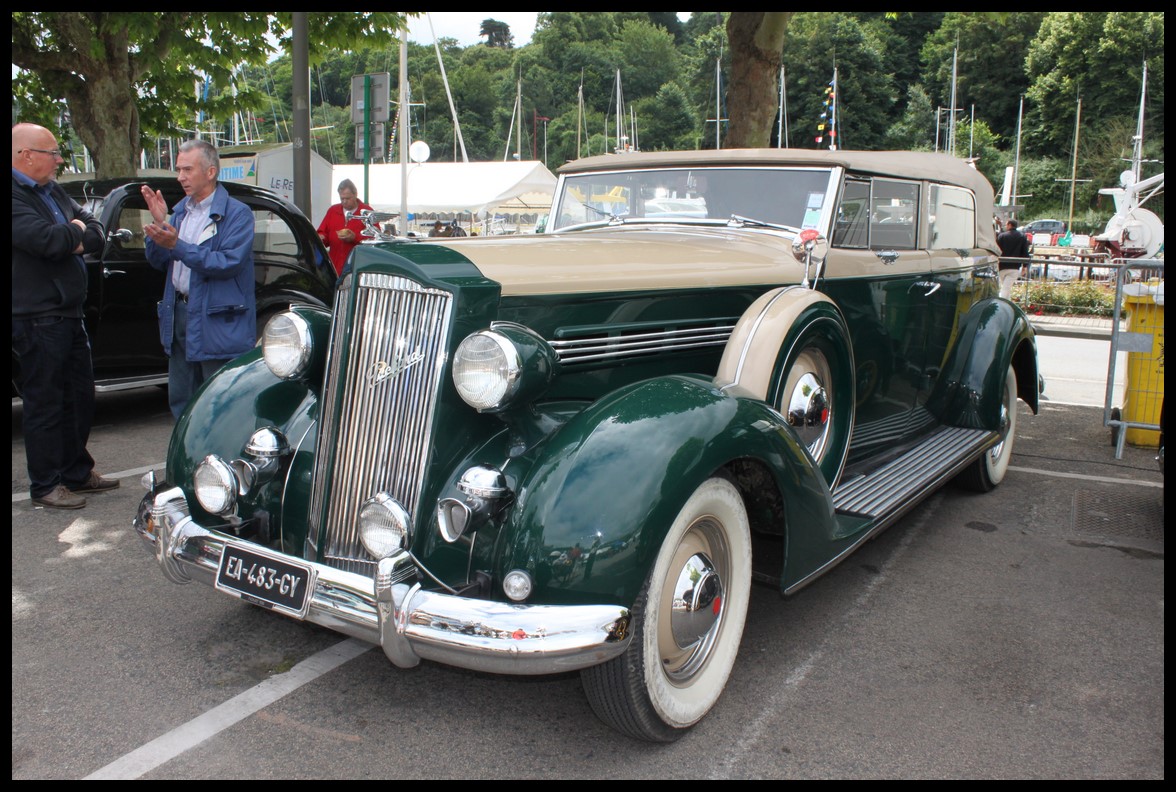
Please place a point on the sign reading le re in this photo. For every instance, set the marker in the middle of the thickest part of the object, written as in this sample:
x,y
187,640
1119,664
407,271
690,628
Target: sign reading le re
x,y
379,96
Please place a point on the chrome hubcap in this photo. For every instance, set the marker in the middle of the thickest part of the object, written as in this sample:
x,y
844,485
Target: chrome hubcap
x,y
695,602
806,401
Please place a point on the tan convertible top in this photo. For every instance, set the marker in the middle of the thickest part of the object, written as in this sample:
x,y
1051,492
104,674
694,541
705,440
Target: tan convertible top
x,y
921,165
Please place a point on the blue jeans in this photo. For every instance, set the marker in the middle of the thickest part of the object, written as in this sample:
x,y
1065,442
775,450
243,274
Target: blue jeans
x,y
185,377
57,387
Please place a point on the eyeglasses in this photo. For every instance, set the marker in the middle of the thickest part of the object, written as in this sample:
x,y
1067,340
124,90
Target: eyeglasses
x,y
50,152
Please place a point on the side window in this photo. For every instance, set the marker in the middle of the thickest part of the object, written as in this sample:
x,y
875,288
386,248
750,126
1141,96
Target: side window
x,y
851,225
272,236
894,215
133,219
953,218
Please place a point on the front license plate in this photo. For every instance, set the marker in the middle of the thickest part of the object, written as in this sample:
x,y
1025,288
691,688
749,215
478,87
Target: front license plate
x,y
265,580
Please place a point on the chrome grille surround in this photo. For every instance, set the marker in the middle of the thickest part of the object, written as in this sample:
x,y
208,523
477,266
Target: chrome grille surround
x,y
384,370
589,349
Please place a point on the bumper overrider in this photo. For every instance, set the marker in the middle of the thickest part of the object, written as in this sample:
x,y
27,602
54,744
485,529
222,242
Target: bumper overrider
x,y
395,612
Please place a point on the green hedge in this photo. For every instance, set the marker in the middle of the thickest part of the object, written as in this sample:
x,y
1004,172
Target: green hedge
x,y
1075,298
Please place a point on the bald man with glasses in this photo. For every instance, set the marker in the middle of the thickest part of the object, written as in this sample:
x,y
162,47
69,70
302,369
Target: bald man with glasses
x,y
50,232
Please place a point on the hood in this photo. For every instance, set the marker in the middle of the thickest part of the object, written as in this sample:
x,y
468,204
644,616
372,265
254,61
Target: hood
x,y
630,259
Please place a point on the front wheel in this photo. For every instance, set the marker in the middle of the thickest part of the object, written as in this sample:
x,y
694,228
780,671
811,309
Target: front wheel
x,y
688,621
989,470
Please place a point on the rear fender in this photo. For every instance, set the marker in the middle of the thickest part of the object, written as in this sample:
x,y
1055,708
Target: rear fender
x,y
767,350
993,336
595,504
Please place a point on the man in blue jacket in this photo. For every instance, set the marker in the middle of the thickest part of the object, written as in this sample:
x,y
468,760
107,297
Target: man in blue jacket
x,y
50,232
208,314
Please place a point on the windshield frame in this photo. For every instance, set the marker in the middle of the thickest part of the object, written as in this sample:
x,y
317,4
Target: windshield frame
x,y
569,213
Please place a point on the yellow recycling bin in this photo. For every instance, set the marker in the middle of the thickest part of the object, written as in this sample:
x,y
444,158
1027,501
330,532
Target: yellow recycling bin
x,y
1145,369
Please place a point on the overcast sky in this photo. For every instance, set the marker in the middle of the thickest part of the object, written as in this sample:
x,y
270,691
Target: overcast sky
x,y
465,26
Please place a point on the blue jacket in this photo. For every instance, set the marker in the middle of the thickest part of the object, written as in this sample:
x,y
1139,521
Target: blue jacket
x,y
222,308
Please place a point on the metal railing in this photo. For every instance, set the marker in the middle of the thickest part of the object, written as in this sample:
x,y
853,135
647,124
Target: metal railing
x,y
1138,330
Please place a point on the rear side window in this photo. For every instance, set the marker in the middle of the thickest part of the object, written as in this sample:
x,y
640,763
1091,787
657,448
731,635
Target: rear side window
x,y
953,218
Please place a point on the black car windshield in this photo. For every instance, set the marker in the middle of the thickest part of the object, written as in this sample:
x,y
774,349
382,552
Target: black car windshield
x,y
793,197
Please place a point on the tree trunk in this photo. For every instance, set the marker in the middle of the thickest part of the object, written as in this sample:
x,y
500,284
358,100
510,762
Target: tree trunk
x,y
756,39
105,117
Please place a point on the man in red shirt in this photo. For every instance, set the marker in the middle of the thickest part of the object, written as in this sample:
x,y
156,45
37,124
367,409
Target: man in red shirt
x,y
339,234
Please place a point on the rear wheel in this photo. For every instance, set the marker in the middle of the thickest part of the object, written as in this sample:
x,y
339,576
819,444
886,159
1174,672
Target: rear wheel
x,y
688,620
989,470
814,392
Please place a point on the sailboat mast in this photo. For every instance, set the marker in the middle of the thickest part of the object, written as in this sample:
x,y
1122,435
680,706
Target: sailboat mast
x,y
1137,148
833,117
620,114
579,112
718,95
951,146
1074,164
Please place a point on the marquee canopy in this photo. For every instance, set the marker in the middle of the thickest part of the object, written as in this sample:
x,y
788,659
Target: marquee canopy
x,y
475,187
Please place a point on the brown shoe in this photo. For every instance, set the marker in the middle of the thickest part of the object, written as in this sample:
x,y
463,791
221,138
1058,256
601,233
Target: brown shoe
x,y
60,498
96,483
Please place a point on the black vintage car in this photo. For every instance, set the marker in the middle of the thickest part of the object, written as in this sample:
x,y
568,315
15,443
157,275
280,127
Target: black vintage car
x,y
291,267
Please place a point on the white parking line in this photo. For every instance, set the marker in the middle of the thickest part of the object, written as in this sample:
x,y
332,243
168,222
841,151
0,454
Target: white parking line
x,y
1101,479
24,496
183,738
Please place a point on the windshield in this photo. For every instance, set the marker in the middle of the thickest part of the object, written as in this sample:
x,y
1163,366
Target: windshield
x,y
793,197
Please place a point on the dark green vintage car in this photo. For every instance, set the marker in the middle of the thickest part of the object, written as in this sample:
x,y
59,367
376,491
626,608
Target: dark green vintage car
x,y
577,450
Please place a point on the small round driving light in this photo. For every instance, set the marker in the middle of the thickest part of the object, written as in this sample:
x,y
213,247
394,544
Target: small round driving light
x,y
383,526
486,367
286,345
215,485
517,585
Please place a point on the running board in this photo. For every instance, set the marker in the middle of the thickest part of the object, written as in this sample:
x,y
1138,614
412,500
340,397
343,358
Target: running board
x,y
128,383
890,488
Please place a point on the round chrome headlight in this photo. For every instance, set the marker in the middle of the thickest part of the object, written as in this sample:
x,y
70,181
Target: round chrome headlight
x,y
507,365
286,345
216,485
486,370
383,526
517,585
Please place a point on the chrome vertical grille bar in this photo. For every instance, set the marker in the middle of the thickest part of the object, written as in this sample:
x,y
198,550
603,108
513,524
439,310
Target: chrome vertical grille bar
x,y
378,409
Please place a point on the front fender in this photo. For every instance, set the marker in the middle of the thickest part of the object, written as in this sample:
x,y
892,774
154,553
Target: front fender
x,y
993,335
239,399
597,500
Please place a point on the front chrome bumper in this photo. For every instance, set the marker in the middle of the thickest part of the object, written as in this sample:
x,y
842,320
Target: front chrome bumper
x,y
393,611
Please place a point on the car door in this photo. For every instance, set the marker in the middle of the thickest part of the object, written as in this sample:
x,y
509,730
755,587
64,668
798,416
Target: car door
x,y
876,273
124,290
960,276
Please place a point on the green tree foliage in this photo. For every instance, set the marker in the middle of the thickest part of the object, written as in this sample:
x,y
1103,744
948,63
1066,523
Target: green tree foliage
x,y
99,79
866,99
671,125
990,64
496,33
124,74
1100,55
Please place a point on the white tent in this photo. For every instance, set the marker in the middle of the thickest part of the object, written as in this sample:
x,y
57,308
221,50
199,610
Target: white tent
x,y
475,187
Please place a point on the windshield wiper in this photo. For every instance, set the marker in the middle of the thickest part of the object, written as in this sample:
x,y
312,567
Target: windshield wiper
x,y
740,220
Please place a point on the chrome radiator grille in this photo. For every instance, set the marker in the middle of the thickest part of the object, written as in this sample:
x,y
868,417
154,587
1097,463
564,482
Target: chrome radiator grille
x,y
378,404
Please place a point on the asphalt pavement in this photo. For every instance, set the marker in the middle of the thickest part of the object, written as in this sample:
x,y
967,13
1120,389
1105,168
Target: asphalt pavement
x,y
1014,634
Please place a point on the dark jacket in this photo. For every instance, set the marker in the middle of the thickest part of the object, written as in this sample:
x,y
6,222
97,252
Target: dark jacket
x,y
1013,245
48,278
